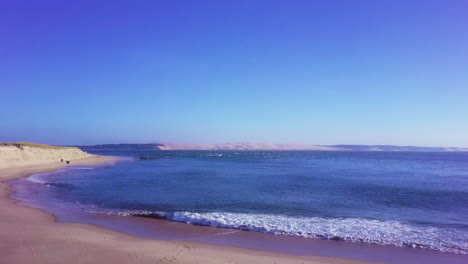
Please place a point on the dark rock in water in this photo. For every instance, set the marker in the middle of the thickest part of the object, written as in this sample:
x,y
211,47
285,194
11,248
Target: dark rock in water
x,y
146,158
68,162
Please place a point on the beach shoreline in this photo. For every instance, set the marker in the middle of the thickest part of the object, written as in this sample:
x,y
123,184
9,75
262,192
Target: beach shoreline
x,y
31,235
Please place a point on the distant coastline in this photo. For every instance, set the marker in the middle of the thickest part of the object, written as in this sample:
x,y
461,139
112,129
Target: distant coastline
x,y
262,146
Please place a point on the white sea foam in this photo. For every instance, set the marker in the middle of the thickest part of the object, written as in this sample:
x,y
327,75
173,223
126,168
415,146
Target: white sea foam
x,y
347,229
36,178
215,155
40,177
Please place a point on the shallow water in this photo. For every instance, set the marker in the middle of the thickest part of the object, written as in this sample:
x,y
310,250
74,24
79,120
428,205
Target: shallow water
x,y
388,198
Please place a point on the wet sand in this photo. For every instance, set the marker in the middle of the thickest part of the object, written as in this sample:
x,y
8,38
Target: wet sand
x,y
31,235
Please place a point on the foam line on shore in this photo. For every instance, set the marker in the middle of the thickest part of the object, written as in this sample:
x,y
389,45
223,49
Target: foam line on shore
x,y
371,231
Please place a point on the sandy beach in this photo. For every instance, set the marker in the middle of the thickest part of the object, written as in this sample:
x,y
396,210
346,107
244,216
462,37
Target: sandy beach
x,y
29,235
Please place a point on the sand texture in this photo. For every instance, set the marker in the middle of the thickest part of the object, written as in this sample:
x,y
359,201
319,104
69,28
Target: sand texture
x,y
22,155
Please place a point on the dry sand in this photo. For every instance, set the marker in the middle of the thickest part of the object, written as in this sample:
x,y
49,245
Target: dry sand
x,y
22,155
29,235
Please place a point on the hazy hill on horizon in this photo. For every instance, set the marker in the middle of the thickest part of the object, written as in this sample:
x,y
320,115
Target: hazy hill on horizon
x,y
121,146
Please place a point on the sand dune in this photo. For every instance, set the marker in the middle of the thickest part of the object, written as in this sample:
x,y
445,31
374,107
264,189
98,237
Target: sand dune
x,y
245,146
24,154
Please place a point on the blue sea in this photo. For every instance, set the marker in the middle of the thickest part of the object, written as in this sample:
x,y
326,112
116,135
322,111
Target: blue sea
x,y
404,199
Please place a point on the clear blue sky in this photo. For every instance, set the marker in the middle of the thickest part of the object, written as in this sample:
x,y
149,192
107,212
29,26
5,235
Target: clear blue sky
x,y
319,72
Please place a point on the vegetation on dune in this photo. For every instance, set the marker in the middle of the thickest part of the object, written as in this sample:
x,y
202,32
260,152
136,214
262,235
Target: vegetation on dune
x,y
34,145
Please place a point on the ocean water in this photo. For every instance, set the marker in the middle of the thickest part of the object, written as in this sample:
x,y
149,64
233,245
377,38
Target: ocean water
x,y
405,199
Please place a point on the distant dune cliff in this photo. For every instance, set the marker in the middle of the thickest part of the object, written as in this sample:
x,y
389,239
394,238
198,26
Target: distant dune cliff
x,y
246,146
23,154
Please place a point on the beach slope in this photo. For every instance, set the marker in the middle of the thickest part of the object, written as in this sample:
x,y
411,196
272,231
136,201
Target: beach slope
x,y
24,154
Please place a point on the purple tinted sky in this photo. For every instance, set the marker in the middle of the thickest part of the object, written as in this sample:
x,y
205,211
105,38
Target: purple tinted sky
x,y
323,72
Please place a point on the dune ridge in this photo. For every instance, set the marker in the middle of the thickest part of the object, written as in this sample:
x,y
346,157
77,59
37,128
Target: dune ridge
x,y
245,146
25,154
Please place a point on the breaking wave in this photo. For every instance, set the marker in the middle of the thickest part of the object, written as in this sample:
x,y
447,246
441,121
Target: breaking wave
x,y
345,229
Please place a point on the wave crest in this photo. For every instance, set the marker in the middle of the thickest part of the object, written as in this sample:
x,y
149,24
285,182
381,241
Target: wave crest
x,y
346,229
